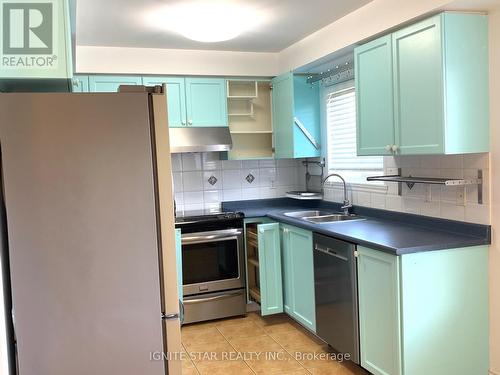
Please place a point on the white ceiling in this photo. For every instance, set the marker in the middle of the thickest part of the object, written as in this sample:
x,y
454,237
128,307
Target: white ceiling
x,y
126,23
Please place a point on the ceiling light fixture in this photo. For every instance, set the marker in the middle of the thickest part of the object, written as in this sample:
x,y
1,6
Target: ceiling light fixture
x,y
208,21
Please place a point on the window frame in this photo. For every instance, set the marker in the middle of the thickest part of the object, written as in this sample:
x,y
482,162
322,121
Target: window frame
x,y
368,186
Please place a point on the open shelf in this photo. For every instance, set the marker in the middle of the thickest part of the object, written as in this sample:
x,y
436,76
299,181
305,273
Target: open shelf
x,y
251,132
255,294
254,261
410,181
427,180
242,89
251,145
250,120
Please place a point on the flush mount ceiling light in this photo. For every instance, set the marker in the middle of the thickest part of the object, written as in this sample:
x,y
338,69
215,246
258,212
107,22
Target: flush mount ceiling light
x,y
208,21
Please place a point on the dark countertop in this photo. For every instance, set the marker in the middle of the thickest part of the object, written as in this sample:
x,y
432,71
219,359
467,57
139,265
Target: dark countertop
x,y
391,232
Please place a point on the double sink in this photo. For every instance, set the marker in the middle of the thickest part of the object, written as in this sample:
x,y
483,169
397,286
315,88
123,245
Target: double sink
x,y
322,217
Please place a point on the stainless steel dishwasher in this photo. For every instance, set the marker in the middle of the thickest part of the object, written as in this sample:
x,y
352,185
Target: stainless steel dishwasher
x,y
336,292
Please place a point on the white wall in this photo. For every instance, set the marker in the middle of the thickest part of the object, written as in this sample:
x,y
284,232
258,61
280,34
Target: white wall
x,y
372,19
494,21
120,60
193,192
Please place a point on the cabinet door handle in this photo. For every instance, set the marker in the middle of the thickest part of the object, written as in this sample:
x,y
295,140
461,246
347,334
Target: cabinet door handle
x,y
395,148
183,123
388,148
190,122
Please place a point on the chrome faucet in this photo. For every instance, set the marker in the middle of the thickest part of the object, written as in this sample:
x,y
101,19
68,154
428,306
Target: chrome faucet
x,y
346,204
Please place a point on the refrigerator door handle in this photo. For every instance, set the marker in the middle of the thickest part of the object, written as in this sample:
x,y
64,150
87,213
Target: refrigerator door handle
x,y
173,316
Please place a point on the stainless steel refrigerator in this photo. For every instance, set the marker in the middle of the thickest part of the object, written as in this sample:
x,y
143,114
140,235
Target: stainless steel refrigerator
x,y
88,232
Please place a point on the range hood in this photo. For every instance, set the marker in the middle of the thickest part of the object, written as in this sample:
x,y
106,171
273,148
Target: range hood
x,y
206,139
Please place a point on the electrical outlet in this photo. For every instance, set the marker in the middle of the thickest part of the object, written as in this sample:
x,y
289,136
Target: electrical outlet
x,y
460,196
428,193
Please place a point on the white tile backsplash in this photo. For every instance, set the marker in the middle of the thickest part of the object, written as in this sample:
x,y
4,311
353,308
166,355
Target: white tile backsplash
x,y
191,162
192,181
193,197
193,191
232,179
231,195
210,161
231,164
176,163
448,202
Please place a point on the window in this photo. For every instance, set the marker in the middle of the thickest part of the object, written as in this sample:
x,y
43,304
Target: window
x,y
340,121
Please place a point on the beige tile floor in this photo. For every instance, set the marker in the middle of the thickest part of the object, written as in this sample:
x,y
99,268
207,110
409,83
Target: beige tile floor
x,y
253,344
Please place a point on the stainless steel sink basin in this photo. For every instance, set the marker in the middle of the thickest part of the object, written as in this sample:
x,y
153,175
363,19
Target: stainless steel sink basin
x,y
332,218
303,214
322,217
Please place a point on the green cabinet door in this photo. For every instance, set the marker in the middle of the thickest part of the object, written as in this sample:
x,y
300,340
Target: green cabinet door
x,y
379,312
374,97
306,114
295,113
271,292
111,83
178,258
444,309
282,112
300,267
206,102
418,88
80,84
286,266
176,98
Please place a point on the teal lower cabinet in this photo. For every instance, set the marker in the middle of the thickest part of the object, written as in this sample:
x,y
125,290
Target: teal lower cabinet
x,y
111,83
424,313
264,274
379,312
280,269
298,275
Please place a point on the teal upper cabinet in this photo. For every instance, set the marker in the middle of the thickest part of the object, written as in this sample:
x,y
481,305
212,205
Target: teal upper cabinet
x,y
295,112
176,98
411,305
298,275
271,292
206,102
375,99
379,318
80,83
418,82
111,83
440,103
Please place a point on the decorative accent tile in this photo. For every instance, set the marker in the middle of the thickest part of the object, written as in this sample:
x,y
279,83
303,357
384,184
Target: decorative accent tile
x,y
212,180
250,178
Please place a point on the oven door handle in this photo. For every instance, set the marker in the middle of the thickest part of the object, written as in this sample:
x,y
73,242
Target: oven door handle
x,y
210,236
208,299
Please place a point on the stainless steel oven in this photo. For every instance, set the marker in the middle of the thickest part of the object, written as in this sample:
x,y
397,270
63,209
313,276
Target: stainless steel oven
x,y
213,266
212,261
